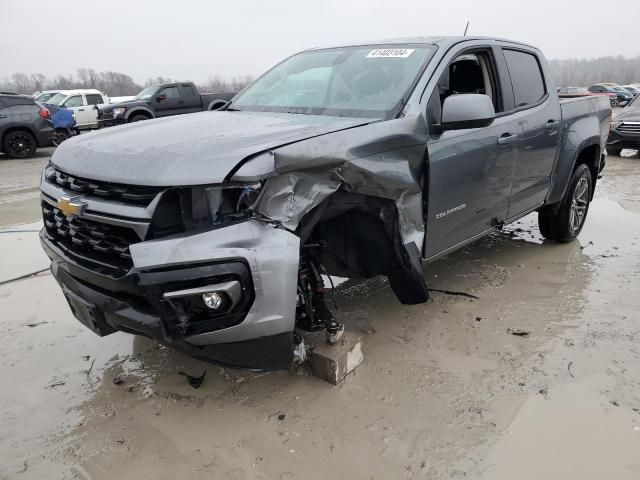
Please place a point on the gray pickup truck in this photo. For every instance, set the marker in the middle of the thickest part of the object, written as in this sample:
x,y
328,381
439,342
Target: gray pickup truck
x,y
212,232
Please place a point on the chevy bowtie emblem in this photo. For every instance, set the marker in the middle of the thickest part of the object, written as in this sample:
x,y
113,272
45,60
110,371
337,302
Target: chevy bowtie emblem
x,y
71,205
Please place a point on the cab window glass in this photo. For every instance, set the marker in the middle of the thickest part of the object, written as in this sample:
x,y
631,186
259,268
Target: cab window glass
x,y
170,92
94,99
526,77
75,101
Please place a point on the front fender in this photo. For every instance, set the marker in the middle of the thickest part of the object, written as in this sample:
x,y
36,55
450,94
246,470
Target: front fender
x,y
136,110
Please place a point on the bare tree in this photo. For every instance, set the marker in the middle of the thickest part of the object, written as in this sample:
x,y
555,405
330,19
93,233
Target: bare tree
x,y
112,83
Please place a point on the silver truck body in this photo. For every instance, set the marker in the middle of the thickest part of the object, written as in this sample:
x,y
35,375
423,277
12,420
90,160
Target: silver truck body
x,y
133,220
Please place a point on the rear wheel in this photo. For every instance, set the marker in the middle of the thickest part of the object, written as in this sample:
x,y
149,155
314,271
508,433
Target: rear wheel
x,y
19,144
565,223
138,118
614,151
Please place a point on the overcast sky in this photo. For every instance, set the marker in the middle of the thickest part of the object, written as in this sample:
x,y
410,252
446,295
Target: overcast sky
x,y
192,39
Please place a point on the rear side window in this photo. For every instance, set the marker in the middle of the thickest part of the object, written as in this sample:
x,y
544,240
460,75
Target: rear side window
x,y
94,99
526,77
188,90
11,101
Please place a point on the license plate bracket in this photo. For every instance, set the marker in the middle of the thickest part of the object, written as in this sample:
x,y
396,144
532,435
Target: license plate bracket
x,y
86,313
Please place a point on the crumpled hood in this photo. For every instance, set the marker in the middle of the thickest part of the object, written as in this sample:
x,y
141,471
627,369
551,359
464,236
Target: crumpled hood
x,y
192,149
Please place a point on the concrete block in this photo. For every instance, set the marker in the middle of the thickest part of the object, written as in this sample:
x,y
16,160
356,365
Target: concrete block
x,y
334,362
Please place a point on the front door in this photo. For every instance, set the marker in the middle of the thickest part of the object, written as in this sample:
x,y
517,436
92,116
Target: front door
x,y
470,171
168,101
77,104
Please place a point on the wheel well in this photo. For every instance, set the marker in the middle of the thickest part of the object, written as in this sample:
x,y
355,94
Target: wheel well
x,y
590,156
135,113
358,236
216,104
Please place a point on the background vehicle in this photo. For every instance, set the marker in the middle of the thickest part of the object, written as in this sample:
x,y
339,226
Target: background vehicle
x,y
571,92
23,126
624,97
632,89
625,129
45,95
83,104
209,231
161,101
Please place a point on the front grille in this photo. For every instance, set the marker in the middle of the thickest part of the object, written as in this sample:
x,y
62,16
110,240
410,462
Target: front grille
x,y
99,246
128,194
633,128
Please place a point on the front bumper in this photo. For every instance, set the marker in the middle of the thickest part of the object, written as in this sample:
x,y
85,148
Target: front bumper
x,y
257,335
618,139
110,122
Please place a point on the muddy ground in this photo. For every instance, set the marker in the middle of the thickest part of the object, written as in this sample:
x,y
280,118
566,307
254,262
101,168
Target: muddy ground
x,y
446,391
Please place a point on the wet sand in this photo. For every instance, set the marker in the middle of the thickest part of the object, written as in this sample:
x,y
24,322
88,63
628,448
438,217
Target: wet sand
x,y
445,390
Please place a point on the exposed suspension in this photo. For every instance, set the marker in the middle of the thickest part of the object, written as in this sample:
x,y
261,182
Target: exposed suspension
x,y
312,313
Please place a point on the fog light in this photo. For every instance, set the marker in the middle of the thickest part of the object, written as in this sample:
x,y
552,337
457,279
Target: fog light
x,y
213,300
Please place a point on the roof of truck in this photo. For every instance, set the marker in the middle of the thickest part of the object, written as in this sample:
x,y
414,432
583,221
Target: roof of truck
x,y
442,41
80,91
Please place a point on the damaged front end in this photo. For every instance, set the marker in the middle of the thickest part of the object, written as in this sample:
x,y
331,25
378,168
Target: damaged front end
x,y
227,272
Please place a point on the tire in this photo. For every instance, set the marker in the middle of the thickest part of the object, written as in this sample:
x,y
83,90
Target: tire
x,y
614,151
19,144
565,224
57,138
138,118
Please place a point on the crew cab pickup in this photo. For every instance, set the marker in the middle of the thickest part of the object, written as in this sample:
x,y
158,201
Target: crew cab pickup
x,y
162,101
211,232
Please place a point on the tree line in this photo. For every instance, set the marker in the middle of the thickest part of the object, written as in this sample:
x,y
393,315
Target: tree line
x,y
574,72
114,84
567,72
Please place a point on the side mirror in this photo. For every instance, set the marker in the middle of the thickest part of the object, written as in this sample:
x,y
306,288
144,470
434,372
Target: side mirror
x,y
161,98
467,110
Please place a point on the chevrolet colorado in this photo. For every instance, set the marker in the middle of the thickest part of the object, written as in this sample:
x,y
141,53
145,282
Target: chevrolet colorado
x,y
211,232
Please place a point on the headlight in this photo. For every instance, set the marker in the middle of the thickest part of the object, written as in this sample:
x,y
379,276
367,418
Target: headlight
x,y
118,111
615,124
257,168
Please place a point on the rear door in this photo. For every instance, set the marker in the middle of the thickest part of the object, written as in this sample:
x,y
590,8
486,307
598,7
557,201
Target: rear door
x,y
168,101
190,98
93,100
538,118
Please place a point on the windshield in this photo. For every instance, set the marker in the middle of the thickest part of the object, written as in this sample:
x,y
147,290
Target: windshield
x,y
57,99
146,94
366,82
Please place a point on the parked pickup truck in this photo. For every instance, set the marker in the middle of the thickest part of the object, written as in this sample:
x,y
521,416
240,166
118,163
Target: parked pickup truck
x,y
211,232
162,101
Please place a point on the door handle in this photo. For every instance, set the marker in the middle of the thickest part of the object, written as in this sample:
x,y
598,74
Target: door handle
x,y
81,109
3,116
507,139
551,124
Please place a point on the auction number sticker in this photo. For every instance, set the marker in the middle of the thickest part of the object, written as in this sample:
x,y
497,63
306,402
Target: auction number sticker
x,y
390,53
